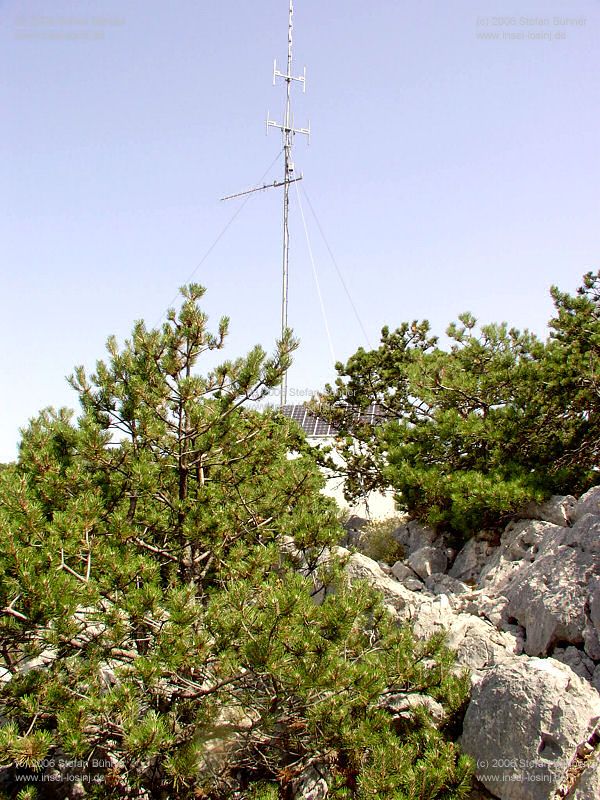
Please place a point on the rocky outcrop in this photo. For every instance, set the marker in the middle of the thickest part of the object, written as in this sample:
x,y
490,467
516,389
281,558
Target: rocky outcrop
x,y
519,546
360,567
577,660
549,599
522,612
427,560
588,503
409,579
438,583
524,725
413,536
403,706
559,510
477,642
549,577
473,557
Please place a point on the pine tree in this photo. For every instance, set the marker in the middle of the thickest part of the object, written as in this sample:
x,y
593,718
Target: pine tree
x,y
470,434
156,635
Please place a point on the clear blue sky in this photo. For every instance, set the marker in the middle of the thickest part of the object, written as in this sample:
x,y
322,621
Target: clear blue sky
x,y
450,171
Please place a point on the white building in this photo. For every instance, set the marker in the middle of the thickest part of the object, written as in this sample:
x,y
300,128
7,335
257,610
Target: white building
x,y
377,505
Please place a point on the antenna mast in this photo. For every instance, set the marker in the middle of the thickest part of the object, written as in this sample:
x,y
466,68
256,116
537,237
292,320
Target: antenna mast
x,y
288,131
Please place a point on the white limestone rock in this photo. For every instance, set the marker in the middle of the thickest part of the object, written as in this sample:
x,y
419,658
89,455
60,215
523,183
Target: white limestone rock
x,y
549,599
573,657
409,579
401,570
427,560
559,510
413,536
403,706
360,567
471,559
439,583
477,644
519,546
524,724
548,575
588,503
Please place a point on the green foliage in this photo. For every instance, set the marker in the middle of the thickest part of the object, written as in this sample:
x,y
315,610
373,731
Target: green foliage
x,y
473,432
150,619
377,540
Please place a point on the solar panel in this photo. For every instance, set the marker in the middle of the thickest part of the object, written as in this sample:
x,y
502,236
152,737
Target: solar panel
x,y
309,424
298,413
317,427
322,428
373,414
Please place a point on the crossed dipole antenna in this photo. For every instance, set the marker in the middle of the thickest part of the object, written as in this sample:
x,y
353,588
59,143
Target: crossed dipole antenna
x,y
288,132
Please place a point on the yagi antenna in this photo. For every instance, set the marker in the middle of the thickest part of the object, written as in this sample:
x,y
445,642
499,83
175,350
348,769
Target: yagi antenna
x,y
273,185
288,132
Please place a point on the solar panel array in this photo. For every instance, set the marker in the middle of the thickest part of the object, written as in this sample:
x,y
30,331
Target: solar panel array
x,y
373,414
311,425
314,426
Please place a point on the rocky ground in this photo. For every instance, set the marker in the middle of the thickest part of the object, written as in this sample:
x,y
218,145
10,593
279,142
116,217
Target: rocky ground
x,y
523,614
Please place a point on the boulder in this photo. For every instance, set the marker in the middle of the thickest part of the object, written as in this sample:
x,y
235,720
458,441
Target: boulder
x,y
524,724
588,503
401,570
519,546
414,536
594,606
355,523
427,560
581,664
591,641
312,783
413,584
403,706
493,609
549,599
585,534
360,567
471,559
548,575
477,644
439,583
354,531
403,573
559,510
